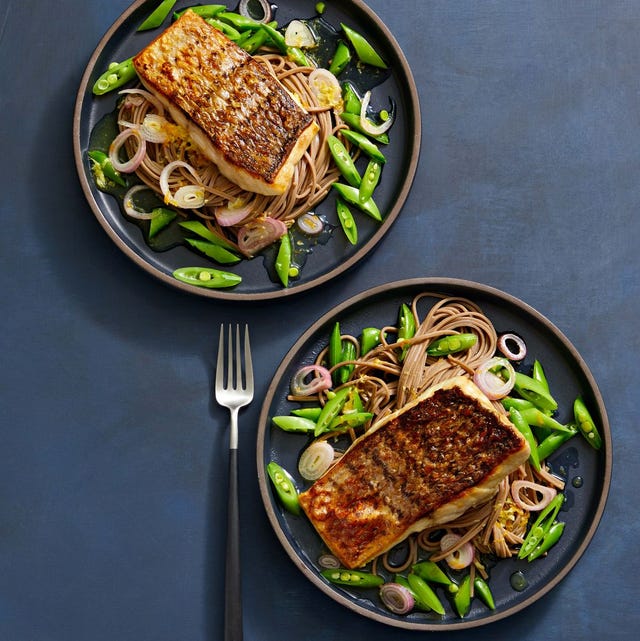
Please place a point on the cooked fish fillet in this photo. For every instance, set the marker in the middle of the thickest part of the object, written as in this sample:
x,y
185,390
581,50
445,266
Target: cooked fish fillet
x,y
421,466
235,110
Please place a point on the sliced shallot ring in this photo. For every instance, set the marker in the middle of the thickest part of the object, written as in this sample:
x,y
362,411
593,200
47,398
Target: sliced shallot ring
x,y
129,207
325,87
459,558
233,213
135,161
147,96
153,128
316,460
397,598
490,384
164,180
302,386
243,9
504,342
310,223
260,233
547,495
366,124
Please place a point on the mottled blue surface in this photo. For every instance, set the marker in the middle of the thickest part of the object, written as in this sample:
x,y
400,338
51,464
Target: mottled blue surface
x,y
113,456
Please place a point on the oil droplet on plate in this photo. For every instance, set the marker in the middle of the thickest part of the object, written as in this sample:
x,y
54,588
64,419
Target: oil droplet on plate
x,y
577,481
518,581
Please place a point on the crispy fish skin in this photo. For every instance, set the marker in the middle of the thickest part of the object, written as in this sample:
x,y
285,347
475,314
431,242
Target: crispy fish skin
x,y
235,110
421,466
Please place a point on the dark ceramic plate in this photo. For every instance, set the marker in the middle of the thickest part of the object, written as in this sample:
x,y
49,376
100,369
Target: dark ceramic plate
x,y
588,471
325,261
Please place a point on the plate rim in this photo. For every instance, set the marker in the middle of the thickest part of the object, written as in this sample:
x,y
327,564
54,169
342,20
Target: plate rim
x,y
440,283
415,132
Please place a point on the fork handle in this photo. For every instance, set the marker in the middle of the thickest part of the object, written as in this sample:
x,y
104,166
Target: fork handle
x,y
233,596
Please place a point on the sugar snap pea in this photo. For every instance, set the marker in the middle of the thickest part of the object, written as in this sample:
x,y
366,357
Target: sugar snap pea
x,y
406,327
541,526
534,391
462,598
347,221
200,229
102,163
424,592
369,338
519,403
364,144
352,578
219,254
586,424
203,10
284,486
331,409
298,424
451,344
308,412
553,441
350,100
206,277
370,180
351,420
161,218
343,161
283,259
431,571
335,345
523,427
341,58
351,195
550,538
116,75
348,354
536,418
363,48
481,588
353,122
157,16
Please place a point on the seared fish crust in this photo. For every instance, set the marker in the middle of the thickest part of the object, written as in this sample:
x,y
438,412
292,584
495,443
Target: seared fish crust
x,y
236,111
421,466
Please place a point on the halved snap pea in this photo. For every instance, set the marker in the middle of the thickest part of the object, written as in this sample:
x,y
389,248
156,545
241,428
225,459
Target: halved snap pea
x,y
206,277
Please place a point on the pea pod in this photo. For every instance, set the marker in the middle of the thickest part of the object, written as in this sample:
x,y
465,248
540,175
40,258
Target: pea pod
x,y
341,58
348,354
157,16
534,391
364,144
308,412
586,425
523,427
276,37
284,486
425,593
349,421
117,75
519,403
343,161
102,162
198,228
537,418
254,41
203,10
537,373
401,580
352,578
161,218
451,344
548,541
238,21
552,442
406,327
298,56
541,526
206,277
219,254
297,424
481,588
351,195
462,598
335,345
331,409
363,48
347,222
370,180
283,259
369,339
231,32
432,572
353,122
350,99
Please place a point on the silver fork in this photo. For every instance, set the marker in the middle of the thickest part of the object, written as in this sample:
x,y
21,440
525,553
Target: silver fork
x,y
233,393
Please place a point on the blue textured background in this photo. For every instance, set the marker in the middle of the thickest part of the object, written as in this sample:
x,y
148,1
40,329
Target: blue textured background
x,y
113,456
